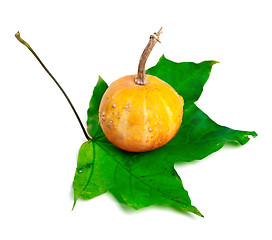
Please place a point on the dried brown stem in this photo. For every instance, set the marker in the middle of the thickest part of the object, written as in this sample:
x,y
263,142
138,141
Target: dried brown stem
x,y
141,78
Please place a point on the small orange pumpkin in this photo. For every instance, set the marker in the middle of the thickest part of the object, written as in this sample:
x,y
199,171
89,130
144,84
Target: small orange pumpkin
x,y
140,113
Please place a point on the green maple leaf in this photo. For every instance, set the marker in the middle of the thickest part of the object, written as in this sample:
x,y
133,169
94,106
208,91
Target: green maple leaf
x,y
143,179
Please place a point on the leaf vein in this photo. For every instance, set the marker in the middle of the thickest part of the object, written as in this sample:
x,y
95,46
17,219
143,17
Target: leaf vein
x,y
133,175
91,173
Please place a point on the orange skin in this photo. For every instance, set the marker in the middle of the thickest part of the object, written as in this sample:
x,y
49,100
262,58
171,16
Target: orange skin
x,y
140,118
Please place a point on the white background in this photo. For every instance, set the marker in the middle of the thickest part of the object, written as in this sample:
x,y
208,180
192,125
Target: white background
x,y
79,40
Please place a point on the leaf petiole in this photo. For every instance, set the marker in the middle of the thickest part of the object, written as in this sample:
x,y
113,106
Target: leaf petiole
x,y
17,35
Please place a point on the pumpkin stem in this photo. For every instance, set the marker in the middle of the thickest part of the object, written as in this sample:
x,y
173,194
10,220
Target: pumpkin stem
x,y
17,35
141,78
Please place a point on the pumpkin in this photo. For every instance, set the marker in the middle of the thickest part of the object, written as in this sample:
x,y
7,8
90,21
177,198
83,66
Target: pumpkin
x,y
140,113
